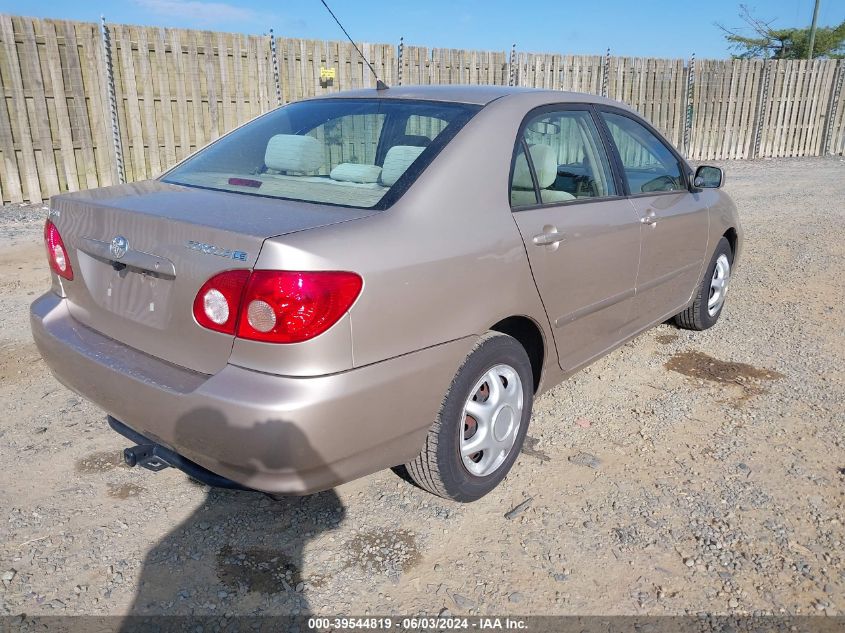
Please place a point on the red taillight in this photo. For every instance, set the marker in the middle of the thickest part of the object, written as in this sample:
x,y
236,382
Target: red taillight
x,y
289,307
56,251
275,306
217,303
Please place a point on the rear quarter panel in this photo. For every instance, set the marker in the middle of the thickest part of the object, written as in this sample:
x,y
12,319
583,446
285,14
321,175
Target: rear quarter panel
x,y
723,216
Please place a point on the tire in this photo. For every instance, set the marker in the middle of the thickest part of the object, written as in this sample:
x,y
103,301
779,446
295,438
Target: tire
x,y
440,468
701,314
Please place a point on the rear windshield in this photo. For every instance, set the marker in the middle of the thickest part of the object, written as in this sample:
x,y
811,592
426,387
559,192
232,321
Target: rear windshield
x,y
352,152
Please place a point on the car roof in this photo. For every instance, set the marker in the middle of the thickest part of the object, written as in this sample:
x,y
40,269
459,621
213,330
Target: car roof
x,y
478,95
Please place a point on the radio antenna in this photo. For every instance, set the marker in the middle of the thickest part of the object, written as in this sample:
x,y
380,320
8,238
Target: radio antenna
x,y
380,85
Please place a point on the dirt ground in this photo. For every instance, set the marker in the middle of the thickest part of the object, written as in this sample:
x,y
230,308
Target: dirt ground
x,y
684,473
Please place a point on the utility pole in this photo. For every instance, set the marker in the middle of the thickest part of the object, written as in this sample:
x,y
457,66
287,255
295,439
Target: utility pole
x,y
813,30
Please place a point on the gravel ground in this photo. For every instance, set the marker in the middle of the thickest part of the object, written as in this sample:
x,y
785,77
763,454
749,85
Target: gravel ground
x,y
684,473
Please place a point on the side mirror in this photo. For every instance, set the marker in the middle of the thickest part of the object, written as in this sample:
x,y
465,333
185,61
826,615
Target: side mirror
x,y
708,177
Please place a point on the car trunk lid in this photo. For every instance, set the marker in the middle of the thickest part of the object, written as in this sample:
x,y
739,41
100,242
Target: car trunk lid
x,y
140,252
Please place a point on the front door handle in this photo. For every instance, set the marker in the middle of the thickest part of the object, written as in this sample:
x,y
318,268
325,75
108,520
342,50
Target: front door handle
x,y
550,237
650,218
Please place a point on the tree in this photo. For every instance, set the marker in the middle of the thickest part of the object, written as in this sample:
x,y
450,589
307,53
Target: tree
x,y
789,43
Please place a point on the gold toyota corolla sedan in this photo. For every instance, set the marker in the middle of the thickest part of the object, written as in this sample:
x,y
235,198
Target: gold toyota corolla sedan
x,y
377,278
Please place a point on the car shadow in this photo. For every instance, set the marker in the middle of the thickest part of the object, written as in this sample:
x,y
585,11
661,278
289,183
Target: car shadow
x,y
239,552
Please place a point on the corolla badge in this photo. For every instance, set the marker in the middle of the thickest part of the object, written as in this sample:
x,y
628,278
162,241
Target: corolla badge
x,y
118,247
211,249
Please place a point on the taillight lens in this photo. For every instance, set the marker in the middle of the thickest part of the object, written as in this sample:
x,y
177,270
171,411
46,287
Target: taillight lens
x,y
217,303
290,307
275,306
56,251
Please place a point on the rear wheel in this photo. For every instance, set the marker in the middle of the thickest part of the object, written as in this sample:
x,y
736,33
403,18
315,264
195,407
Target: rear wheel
x,y
707,305
481,426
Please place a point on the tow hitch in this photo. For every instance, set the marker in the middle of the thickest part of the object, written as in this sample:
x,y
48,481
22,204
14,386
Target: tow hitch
x,y
156,457
145,455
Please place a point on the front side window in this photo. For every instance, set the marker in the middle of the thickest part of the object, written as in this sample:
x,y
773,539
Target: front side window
x,y
648,164
568,161
352,152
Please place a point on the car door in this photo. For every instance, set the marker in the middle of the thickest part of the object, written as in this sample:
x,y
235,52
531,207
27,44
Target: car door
x,y
675,221
581,235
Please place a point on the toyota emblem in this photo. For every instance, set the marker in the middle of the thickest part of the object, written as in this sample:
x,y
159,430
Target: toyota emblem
x,y
118,247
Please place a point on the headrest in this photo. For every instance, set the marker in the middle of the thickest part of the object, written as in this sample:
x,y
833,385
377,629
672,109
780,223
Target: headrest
x,y
353,172
397,161
545,164
293,152
417,140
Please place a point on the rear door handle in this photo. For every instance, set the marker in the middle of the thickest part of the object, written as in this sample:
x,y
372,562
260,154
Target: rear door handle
x,y
650,218
550,237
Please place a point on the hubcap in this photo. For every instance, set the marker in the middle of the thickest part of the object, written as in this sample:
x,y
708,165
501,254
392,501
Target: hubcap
x,y
492,416
719,285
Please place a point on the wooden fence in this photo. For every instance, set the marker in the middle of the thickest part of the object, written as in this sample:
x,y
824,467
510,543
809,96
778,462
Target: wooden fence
x,y
175,90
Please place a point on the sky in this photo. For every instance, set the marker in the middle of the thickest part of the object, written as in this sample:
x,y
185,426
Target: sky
x,y
647,28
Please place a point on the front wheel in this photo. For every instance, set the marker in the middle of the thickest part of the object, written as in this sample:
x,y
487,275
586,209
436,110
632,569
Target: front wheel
x,y
709,300
481,426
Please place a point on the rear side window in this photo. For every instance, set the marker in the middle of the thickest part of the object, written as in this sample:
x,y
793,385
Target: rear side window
x,y
648,164
567,160
352,152
424,128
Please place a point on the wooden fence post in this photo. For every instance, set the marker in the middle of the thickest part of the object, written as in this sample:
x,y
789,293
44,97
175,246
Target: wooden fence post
x,y
112,97
688,99
275,60
761,108
832,108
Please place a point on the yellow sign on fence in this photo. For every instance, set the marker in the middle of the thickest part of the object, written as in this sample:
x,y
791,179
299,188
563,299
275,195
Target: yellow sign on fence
x,y
327,74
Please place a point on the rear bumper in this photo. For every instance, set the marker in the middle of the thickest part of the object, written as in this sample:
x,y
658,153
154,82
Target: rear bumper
x,y
271,433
